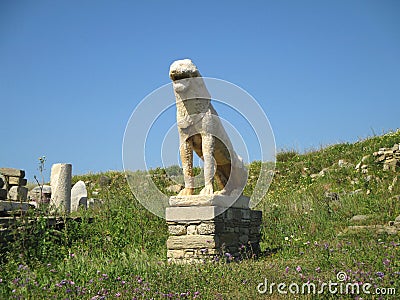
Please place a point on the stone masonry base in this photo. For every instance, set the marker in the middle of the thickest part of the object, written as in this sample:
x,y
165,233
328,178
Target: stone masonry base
x,y
206,232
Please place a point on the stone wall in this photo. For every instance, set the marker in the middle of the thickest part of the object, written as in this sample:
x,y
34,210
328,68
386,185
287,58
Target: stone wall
x,y
210,232
13,185
389,157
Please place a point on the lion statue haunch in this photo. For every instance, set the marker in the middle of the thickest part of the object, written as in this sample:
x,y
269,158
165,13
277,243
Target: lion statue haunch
x,y
201,130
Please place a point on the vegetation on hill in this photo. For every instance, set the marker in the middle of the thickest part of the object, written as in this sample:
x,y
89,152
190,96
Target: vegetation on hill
x,y
306,237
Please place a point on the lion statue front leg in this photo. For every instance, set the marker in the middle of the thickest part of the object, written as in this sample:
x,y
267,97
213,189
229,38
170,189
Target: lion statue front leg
x,y
209,163
186,153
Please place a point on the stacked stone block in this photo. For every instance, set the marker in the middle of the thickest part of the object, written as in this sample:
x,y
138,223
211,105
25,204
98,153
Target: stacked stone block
x,y
390,157
210,230
13,185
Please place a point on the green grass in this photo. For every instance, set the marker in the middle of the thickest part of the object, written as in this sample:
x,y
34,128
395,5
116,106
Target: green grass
x,y
123,253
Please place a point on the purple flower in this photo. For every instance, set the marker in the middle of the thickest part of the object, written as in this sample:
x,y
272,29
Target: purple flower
x,y
204,251
118,294
386,262
318,269
286,269
298,269
229,256
380,274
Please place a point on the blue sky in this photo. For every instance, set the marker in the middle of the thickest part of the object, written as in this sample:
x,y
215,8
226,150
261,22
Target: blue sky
x,y
71,72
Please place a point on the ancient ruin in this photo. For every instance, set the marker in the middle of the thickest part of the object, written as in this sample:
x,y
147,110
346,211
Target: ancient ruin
x,y
215,223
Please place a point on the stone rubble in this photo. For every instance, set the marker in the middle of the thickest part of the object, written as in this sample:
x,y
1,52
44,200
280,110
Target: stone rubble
x,y
389,157
13,185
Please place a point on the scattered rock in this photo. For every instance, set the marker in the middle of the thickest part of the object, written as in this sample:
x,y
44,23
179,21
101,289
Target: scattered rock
x,y
390,188
2,182
365,158
329,196
359,218
94,202
377,228
34,194
104,181
390,157
355,192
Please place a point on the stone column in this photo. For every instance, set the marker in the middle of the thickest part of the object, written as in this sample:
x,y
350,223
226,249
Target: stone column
x,y
60,181
211,227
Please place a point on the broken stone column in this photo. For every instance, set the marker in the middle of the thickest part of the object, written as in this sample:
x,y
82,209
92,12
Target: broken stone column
x,y
60,181
211,227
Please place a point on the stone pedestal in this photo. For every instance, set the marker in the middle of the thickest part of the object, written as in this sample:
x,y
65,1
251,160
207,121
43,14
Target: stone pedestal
x,y
214,227
60,181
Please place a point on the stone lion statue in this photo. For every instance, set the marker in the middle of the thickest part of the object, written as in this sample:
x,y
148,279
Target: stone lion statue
x,y
200,130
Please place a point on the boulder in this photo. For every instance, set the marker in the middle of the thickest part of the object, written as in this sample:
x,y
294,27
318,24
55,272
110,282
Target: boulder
x,y
12,180
12,172
359,218
18,193
78,196
34,194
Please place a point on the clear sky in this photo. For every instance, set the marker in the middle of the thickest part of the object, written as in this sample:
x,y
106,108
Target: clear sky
x,y
71,72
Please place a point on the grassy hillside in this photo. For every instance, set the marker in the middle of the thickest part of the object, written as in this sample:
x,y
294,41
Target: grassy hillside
x,y
305,237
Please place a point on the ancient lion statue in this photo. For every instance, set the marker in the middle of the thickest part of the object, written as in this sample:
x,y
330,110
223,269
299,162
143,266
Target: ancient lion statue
x,y
200,130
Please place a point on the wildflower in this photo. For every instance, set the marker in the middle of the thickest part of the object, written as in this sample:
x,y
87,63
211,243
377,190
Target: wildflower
x,y
118,294
229,256
380,274
298,269
286,238
386,262
286,269
318,269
